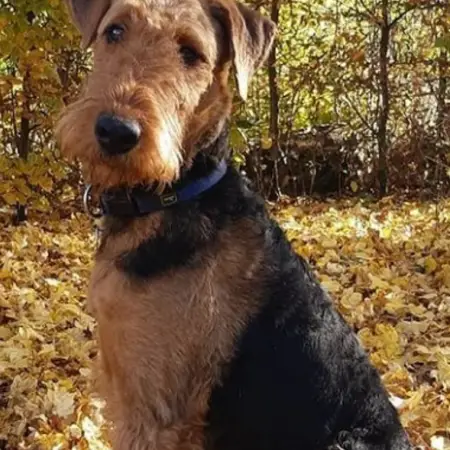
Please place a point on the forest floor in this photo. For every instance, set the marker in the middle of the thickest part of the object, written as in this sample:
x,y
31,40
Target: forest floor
x,y
386,264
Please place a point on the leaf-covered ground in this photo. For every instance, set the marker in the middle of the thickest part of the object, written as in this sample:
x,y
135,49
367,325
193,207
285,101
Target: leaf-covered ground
x,y
386,264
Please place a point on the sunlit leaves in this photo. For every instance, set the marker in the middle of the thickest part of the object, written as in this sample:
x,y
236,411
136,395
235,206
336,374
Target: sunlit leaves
x,y
40,66
386,266
46,342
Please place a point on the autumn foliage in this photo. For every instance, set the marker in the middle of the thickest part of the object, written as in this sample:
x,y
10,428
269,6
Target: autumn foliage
x,y
386,264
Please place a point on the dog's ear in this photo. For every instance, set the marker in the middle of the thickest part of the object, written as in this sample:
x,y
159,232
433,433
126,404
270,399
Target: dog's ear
x,y
250,37
87,14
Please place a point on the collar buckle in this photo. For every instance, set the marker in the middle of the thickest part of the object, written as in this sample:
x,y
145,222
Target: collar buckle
x,y
168,199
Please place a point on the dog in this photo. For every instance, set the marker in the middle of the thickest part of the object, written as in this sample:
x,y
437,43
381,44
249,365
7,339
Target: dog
x,y
213,333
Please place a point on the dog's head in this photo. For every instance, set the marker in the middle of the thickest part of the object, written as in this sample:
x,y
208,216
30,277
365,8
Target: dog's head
x,y
159,85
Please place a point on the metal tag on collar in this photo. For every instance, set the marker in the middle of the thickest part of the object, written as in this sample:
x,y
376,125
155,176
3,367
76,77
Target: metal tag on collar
x,y
168,199
87,203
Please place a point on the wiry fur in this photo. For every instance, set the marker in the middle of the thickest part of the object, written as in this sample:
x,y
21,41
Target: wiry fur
x,y
213,334
174,106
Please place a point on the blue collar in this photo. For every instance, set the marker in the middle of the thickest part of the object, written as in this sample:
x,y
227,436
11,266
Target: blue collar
x,y
139,201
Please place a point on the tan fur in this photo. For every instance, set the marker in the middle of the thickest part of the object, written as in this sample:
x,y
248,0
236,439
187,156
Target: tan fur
x,y
146,83
166,340
163,341
141,78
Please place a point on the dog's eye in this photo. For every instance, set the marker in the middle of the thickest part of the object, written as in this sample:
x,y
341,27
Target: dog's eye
x,y
114,33
189,55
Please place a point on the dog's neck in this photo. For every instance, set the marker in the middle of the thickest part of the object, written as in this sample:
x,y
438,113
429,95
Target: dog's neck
x,y
141,226
202,173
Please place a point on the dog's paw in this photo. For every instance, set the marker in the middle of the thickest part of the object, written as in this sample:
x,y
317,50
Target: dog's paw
x,y
353,440
362,439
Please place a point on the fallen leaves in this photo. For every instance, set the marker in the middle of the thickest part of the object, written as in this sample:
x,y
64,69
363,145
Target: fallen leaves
x,y
46,337
387,265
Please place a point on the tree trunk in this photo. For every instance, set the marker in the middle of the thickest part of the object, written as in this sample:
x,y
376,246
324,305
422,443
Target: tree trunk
x,y
23,143
274,105
441,119
383,114
442,94
23,138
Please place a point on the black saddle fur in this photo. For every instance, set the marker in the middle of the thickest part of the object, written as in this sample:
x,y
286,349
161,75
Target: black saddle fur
x,y
300,379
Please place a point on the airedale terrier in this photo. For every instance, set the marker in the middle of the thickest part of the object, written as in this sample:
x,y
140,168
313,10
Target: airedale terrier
x,y
213,333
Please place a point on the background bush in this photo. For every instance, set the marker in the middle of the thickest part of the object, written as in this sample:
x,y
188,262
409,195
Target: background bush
x,y
354,100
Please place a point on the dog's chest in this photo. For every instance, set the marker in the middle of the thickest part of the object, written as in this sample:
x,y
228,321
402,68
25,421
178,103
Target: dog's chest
x,y
161,340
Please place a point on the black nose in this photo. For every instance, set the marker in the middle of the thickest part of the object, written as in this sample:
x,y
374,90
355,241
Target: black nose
x,y
115,135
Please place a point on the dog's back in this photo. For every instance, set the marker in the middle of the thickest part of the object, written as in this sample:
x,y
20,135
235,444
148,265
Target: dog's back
x,y
299,378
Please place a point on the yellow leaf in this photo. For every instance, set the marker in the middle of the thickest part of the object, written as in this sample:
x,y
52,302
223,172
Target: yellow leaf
x,y
395,303
443,365
389,341
352,300
329,243
5,333
378,283
10,198
5,274
430,264
354,186
331,285
444,275
385,232
417,310
47,349
415,400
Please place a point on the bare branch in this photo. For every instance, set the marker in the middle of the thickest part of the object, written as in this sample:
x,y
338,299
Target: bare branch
x,y
438,4
369,14
358,113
